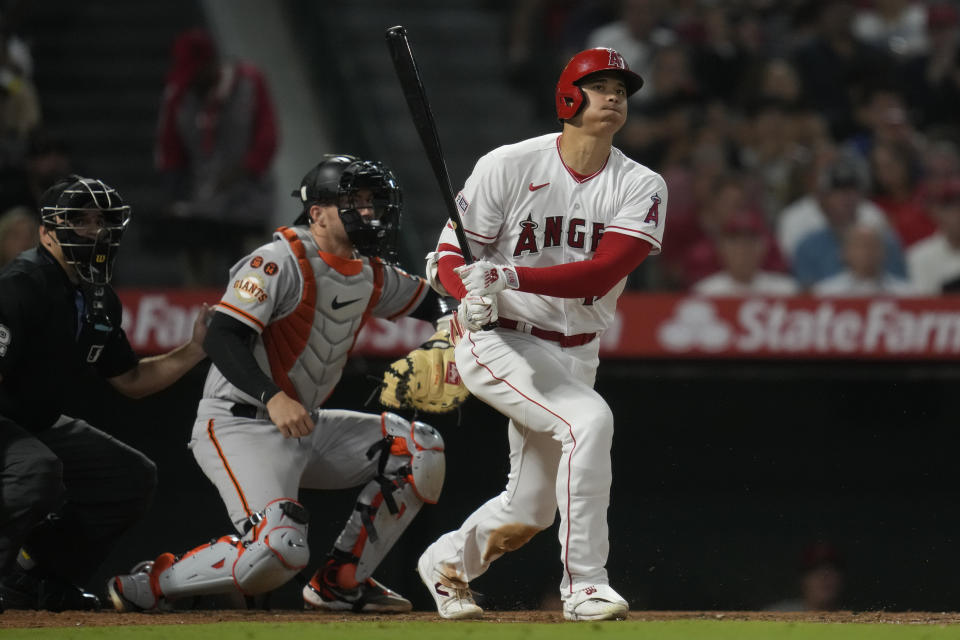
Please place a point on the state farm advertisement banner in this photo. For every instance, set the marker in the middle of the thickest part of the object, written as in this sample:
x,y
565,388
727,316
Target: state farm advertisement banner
x,y
665,326
654,326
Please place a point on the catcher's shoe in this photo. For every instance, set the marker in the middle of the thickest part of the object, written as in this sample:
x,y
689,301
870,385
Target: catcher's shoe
x,y
138,590
324,592
596,602
453,598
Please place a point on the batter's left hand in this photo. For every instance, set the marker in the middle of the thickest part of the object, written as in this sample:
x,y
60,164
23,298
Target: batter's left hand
x,y
200,325
484,278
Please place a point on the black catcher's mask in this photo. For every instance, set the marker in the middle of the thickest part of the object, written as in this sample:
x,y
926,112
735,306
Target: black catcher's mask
x,y
368,198
88,218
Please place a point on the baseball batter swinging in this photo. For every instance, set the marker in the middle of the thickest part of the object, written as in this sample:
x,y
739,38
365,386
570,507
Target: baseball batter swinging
x,y
279,340
557,223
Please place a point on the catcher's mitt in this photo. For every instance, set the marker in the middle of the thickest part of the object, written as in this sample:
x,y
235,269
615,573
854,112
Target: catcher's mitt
x,y
426,379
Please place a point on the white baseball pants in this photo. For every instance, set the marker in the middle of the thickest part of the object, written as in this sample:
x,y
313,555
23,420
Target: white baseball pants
x,y
560,434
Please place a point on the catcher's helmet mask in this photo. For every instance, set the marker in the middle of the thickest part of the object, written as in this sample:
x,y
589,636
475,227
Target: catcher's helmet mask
x,y
569,95
341,180
88,218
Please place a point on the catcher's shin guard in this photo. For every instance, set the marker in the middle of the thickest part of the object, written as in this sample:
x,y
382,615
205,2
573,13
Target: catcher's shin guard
x,y
276,553
412,468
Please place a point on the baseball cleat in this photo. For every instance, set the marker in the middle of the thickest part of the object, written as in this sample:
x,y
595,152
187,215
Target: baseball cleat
x,y
453,598
137,590
596,602
370,596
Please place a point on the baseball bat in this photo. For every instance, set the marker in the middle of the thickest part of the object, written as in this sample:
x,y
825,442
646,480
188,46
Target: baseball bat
x,y
416,96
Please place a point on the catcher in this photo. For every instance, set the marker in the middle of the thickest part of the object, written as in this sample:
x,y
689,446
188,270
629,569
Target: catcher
x,y
279,339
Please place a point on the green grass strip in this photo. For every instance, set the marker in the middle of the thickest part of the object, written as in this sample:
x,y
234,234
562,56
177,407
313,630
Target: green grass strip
x,y
667,630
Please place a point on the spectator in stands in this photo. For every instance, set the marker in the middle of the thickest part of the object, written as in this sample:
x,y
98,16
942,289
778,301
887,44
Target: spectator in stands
x,y
542,35
819,253
19,231
934,262
637,35
19,108
770,148
722,60
833,64
47,162
865,267
775,79
822,573
840,186
216,143
882,116
19,55
898,26
697,257
897,190
941,164
741,248
933,80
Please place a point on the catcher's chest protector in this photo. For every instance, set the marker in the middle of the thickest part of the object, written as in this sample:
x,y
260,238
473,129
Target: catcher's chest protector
x,y
308,348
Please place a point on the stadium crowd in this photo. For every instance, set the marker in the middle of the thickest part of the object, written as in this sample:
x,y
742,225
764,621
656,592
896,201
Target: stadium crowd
x,y
808,145
782,130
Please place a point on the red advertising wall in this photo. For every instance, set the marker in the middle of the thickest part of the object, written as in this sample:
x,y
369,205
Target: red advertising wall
x,y
656,326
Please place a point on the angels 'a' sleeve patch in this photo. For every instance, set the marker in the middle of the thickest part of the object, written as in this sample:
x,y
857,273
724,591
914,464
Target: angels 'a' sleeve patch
x,y
4,340
249,289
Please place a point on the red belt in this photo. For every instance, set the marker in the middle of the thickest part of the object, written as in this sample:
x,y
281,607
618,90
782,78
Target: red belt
x,y
553,336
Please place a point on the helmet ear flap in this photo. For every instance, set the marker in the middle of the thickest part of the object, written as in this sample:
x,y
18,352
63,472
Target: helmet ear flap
x,y
569,101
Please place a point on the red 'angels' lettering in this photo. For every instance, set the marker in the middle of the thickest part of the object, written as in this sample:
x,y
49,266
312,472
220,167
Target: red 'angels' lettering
x,y
653,214
616,60
553,233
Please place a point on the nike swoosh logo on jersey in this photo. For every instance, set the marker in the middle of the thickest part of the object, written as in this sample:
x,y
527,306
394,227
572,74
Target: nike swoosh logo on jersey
x,y
539,186
336,304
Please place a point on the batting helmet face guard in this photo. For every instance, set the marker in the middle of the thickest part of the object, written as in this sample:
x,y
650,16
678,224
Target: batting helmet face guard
x,y
570,98
88,218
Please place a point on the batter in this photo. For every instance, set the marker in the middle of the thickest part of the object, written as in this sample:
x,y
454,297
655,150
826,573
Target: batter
x,y
557,223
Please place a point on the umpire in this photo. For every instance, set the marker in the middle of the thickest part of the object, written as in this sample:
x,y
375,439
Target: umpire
x,y
67,490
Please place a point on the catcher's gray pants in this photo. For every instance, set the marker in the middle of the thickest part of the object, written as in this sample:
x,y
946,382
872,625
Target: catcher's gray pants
x,y
252,464
95,485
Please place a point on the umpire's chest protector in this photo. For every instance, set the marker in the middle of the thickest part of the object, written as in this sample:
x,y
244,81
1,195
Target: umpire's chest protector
x,y
307,349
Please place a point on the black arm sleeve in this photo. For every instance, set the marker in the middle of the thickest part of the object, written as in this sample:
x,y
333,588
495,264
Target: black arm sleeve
x,y
228,344
434,306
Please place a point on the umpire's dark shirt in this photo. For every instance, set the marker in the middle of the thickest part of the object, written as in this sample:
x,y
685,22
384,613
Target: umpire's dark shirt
x,y
40,352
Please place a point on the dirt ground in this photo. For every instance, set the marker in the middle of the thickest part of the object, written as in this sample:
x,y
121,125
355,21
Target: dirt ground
x,y
29,619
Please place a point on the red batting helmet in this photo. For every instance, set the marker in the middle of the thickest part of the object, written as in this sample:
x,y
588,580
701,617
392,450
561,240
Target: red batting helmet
x,y
569,95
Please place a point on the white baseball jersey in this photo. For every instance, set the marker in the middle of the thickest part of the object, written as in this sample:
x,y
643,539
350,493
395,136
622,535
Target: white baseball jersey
x,y
527,208
308,307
